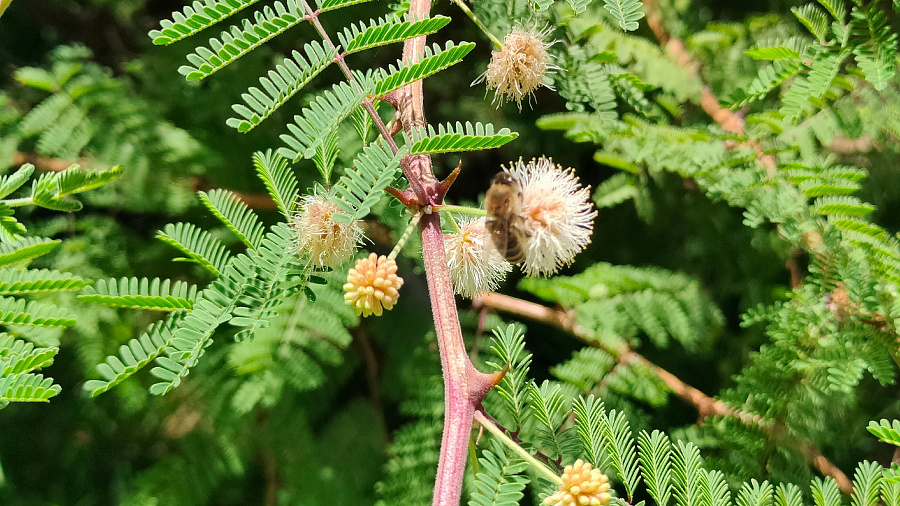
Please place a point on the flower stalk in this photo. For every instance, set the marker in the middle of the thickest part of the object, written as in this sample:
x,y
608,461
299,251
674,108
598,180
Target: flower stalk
x,y
468,12
536,464
449,208
405,237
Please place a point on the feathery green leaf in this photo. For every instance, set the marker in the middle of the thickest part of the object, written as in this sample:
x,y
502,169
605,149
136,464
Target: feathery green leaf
x,y
235,214
15,282
434,61
499,481
26,249
197,244
316,122
143,293
655,452
196,17
134,355
27,388
18,312
387,30
362,186
626,12
280,85
279,179
237,41
451,138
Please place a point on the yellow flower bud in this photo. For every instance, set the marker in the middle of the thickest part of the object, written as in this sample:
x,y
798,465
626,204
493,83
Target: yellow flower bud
x,y
373,285
581,486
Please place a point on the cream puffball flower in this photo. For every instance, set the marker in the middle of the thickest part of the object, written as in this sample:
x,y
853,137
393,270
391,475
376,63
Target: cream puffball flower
x,y
558,213
373,285
581,486
518,69
475,267
326,242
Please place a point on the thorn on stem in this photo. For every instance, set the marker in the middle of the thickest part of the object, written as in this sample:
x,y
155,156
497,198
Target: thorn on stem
x,y
480,383
407,197
498,376
448,182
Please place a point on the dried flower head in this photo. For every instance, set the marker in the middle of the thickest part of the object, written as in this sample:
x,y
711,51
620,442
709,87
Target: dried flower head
x,y
558,212
581,486
475,267
519,68
373,285
326,242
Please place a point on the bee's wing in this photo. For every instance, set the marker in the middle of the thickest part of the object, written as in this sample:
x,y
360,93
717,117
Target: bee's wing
x,y
494,243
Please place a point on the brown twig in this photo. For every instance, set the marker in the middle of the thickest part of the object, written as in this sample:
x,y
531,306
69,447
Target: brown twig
x,y
370,360
844,146
709,102
731,122
793,266
257,201
44,162
705,405
273,479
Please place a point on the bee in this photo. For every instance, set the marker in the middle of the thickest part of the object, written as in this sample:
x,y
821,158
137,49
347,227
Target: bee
x,y
505,223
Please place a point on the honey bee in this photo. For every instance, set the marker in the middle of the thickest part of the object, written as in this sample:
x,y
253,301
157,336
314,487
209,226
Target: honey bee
x,y
505,222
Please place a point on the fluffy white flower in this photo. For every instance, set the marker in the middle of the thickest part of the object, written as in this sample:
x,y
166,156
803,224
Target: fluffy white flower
x,y
326,242
518,69
558,212
475,267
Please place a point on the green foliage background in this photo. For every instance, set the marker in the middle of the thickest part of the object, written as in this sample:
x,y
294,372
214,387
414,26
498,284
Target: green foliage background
x,y
691,263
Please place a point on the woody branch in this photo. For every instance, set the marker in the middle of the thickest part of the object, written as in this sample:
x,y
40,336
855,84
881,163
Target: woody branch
x,y
464,386
706,406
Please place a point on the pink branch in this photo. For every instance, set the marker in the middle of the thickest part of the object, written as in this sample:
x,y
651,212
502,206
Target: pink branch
x,y
464,386
459,401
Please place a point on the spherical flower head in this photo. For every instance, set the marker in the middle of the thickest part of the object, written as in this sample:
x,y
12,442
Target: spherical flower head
x,y
581,486
475,267
373,285
519,68
326,242
558,213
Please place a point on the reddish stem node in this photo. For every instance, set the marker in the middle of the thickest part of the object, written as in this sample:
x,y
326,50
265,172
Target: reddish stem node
x,y
390,98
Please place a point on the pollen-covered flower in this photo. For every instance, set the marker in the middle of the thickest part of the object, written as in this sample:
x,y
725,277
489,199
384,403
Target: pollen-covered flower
x,y
326,242
581,486
475,267
558,213
519,68
373,285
